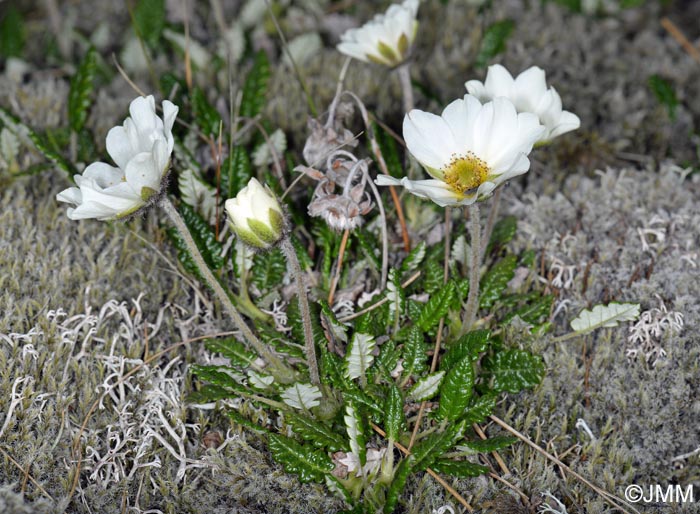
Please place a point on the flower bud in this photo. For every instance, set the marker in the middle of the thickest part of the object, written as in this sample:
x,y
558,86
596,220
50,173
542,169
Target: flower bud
x,y
255,215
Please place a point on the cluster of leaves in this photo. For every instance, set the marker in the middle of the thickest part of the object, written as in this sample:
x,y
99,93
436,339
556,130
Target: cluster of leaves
x,y
376,370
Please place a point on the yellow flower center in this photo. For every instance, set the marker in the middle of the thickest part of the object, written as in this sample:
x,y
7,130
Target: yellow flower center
x,y
464,173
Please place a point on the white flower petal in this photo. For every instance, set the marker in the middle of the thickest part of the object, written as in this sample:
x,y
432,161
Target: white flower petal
x,y
428,138
530,85
567,122
119,146
103,174
432,189
499,81
141,172
143,113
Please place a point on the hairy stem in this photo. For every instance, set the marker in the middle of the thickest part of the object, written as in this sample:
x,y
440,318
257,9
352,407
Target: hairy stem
x,y
404,72
475,266
304,309
490,222
281,371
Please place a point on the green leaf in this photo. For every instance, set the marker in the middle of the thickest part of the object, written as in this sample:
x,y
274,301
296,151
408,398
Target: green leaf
x,y
533,311
432,447
356,431
665,94
413,259
352,393
456,390
389,356
232,349
398,484
237,417
368,245
513,370
210,393
503,232
493,42
302,396
221,376
255,87
206,116
311,466
203,236
315,432
11,33
394,420
81,88
471,345
396,296
496,280
460,469
24,132
359,355
268,269
605,316
479,409
436,307
334,329
149,20
426,387
415,353
433,269
236,172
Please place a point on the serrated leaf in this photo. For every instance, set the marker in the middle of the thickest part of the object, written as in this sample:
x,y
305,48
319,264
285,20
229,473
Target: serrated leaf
x,y
460,252
207,117
236,172
414,258
352,393
221,376
456,389
294,321
198,194
426,387
203,236
493,42
356,433
435,445
503,231
302,396
315,432
255,87
368,245
232,349
533,311
237,417
398,484
665,94
436,307
259,381
396,296
11,33
149,20
394,420
209,393
471,344
414,353
513,370
460,469
311,466
334,328
495,281
605,316
269,269
433,269
359,355
479,409
81,88
491,444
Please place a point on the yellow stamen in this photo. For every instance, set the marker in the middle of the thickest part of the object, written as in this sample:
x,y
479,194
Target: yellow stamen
x,y
464,173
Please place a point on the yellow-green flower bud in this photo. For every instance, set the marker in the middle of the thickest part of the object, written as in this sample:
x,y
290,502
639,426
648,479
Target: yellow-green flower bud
x,y
255,215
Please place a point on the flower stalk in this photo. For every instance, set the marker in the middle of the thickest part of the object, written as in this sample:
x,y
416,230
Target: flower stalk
x,y
279,370
404,72
473,297
304,310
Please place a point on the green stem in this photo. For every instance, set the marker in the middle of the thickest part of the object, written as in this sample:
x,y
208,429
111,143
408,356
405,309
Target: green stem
x,y
279,370
475,265
304,310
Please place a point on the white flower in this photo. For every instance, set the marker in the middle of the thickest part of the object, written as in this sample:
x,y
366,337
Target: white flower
x,y
256,216
386,39
528,91
469,151
141,149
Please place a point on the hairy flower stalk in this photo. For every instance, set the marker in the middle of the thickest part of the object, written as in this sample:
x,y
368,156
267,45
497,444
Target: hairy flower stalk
x,y
256,217
279,370
304,309
475,266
